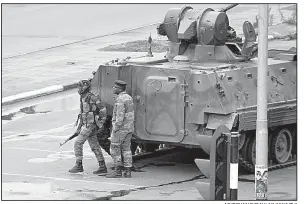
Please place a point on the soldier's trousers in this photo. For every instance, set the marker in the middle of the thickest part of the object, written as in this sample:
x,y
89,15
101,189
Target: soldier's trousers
x,y
88,133
120,148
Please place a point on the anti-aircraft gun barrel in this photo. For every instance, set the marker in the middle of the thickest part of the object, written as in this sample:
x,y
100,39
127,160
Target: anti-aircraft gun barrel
x,y
228,7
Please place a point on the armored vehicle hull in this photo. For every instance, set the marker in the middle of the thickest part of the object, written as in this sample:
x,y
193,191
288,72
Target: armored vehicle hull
x,y
203,83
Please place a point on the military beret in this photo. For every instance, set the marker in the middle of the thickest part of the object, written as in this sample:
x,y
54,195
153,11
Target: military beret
x,y
120,83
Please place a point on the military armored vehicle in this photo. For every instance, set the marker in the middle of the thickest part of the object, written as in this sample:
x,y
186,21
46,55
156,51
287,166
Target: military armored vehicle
x,y
207,78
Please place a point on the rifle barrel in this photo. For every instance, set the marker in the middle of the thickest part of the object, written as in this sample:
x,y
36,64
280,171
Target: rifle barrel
x,y
228,7
63,142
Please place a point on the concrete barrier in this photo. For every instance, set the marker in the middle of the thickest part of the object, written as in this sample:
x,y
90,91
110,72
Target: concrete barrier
x,y
37,93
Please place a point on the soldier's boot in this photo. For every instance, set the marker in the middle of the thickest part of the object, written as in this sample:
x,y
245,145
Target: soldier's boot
x,y
102,168
116,173
77,168
127,172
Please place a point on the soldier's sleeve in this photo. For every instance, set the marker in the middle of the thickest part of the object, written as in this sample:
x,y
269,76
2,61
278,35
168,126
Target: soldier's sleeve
x,y
102,110
120,114
79,114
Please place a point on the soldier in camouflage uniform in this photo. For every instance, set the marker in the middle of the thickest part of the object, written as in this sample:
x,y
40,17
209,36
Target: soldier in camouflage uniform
x,y
92,117
122,129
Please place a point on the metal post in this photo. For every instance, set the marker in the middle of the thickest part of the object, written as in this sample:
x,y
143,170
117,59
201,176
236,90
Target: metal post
x,y
234,165
261,166
150,48
225,161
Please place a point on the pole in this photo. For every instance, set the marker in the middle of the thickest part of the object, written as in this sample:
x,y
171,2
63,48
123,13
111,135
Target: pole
x,y
226,165
261,166
234,165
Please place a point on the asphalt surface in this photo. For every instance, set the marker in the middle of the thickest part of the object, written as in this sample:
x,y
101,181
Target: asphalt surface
x,y
39,28
34,167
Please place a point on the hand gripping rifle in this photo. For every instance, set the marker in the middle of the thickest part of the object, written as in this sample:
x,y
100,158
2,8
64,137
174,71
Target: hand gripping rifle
x,y
76,133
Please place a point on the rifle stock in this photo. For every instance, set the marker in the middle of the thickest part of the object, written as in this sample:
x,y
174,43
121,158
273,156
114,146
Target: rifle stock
x,y
70,138
74,135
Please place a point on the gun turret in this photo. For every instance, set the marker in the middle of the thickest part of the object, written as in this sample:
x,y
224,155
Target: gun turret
x,y
207,27
198,35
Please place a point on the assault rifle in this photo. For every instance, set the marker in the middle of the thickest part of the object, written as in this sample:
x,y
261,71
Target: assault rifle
x,y
76,133
70,138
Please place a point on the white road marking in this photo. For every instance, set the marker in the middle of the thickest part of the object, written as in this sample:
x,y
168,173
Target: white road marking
x,y
85,151
18,138
58,129
12,132
42,150
75,180
36,135
33,136
59,155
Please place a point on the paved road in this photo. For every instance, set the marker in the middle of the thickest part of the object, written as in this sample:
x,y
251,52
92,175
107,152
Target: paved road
x,y
41,26
35,167
30,27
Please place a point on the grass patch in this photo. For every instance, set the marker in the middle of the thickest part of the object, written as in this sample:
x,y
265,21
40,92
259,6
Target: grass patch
x,y
158,46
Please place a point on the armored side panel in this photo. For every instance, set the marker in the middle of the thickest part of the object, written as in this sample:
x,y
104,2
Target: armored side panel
x,y
159,103
282,98
172,103
158,94
103,82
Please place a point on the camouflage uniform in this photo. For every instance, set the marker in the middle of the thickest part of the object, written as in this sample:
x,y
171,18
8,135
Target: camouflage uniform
x,y
92,118
122,128
91,121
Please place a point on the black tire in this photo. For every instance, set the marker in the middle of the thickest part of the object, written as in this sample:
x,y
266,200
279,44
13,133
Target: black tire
x,y
151,147
294,139
244,150
133,147
281,146
241,140
251,151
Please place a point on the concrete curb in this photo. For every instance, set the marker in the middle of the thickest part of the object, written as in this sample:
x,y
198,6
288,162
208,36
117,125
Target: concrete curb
x,y
37,93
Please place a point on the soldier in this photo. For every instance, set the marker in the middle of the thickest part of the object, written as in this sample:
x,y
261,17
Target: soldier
x,y
122,128
92,117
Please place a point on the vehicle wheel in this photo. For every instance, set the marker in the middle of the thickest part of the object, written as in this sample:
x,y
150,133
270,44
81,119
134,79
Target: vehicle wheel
x,y
151,147
251,150
133,147
294,141
244,150
281,146
242,139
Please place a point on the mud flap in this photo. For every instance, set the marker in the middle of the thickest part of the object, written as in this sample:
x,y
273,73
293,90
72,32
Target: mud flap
x,y
215,120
